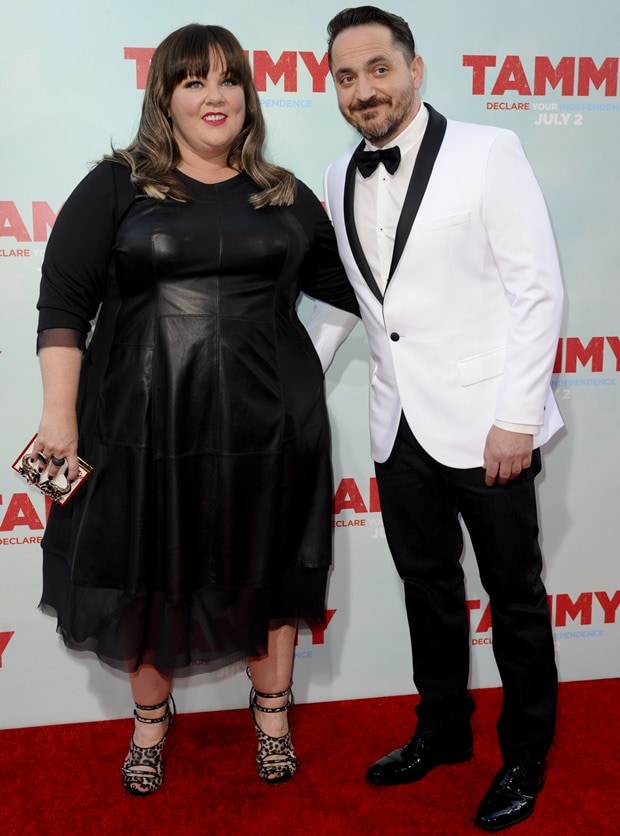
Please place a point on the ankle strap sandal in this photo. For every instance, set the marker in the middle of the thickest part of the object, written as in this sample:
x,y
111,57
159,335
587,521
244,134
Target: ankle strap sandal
x,y
275,760
143,769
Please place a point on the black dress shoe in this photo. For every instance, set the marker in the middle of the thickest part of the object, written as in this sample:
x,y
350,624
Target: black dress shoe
x,y
419,756
511,796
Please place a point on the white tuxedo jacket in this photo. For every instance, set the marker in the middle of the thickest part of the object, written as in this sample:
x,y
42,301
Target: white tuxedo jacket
x,y
467,330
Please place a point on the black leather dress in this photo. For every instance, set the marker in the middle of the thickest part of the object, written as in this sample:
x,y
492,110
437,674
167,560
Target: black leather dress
x,y
202,410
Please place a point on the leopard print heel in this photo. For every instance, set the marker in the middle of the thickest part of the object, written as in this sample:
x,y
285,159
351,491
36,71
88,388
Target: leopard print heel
x,y
275,760
144,766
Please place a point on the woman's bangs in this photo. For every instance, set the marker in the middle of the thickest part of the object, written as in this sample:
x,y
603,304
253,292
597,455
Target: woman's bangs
x,y
199,54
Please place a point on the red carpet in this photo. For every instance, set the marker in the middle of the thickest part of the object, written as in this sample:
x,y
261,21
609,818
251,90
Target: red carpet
x,y
66,779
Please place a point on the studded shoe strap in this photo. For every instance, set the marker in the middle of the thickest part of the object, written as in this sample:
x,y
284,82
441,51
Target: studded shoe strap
x,y
152,708
254,702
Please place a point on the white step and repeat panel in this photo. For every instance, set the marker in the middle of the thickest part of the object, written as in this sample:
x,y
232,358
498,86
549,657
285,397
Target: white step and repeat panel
x,y
72,75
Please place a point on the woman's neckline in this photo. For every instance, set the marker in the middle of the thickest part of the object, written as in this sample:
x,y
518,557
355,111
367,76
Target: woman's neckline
x,y
189,177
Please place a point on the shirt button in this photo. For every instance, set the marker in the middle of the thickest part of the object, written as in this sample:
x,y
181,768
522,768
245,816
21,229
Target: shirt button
x,y
394,336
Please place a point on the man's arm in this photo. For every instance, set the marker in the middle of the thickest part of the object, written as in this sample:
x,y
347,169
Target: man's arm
x,y
328,328
522,240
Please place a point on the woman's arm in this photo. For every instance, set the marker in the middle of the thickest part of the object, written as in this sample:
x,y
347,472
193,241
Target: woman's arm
x,y
58,432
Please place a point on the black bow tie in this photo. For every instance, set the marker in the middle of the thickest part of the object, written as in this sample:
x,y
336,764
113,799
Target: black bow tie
x,y
367,161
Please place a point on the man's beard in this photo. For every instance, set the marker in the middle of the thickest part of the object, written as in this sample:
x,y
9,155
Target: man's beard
x,y
391,125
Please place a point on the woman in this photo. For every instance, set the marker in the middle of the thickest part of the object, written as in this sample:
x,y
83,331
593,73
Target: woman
x,y
204,531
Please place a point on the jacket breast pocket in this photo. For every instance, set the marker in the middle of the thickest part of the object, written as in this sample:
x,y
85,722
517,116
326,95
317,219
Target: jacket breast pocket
x,y
481,366
445,222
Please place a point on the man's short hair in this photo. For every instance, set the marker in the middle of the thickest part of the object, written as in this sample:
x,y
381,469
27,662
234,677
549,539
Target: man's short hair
x,y
366,16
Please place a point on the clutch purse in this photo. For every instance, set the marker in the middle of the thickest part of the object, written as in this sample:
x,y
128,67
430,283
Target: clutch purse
x,y
59,489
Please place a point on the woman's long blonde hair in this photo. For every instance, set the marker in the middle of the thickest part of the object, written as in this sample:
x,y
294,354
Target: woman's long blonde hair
x,y
154,153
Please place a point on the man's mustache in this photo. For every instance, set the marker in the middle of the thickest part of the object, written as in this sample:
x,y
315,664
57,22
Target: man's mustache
x,y
368,104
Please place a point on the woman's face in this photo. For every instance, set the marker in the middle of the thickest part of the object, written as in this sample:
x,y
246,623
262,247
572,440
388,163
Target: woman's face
x,y
208,113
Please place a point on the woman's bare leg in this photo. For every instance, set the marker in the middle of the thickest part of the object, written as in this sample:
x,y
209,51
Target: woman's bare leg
x,y
271,674
149,687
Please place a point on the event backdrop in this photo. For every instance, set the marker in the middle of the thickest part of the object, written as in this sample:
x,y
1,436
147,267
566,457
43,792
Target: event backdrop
x,y
72,75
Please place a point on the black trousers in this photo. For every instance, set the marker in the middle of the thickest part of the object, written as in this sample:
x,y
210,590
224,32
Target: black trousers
x,y
421,500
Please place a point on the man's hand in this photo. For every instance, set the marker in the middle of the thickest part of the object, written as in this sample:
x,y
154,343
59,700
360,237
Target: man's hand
x,y
506,454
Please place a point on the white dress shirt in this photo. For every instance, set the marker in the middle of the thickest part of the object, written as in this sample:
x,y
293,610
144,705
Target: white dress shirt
x,y
378,201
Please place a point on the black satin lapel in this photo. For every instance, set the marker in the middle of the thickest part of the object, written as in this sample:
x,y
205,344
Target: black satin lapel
x,y
429,148
354,241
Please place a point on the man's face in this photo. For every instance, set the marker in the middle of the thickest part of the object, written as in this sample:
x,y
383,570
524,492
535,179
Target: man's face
x,y
375,84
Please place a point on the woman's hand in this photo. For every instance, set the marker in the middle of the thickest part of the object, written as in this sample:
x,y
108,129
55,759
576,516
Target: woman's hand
x,y
57,442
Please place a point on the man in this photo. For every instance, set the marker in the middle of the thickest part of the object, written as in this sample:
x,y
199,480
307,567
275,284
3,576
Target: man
x,y
445,237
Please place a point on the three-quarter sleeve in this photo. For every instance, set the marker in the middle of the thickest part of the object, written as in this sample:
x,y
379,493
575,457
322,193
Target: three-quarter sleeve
x,y
76,265
324,276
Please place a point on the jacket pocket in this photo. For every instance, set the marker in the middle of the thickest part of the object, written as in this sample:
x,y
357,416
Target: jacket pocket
x,y
444,223
481,366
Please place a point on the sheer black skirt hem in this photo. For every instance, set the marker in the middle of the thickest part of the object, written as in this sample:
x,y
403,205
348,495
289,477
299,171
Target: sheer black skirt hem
x,y
209,629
